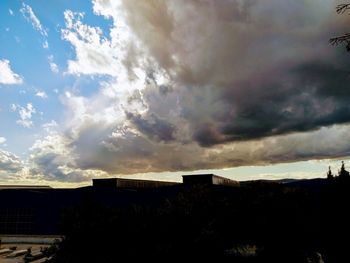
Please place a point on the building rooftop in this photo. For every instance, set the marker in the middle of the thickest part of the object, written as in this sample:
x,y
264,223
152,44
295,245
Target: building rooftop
x,y
2,187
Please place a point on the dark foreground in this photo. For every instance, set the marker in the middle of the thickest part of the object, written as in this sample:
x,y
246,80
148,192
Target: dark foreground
x,y
295,221
304,221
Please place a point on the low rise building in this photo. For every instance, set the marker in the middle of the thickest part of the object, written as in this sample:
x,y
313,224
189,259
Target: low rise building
x,y
123,183
208,179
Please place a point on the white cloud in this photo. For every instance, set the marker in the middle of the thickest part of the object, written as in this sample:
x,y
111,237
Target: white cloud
x,y
12,168
41,94
136,121
29,15
95,54
9,162
108,9
2,140
25,114
46,44
11,12
49,163
171,65
49,127
53,159
7,76
53,66
13,107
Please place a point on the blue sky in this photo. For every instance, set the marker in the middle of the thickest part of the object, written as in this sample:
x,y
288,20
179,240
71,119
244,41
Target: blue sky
x,y
23,45
126,88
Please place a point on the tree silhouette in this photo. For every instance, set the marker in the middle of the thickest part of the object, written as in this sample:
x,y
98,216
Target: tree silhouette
x,y
343,174
330,176
335,41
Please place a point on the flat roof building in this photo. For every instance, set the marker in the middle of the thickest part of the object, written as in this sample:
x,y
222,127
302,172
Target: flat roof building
x,y
208,179
26,187
123,183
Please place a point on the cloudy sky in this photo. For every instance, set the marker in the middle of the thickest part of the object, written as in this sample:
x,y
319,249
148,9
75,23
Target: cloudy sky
x,y
155,89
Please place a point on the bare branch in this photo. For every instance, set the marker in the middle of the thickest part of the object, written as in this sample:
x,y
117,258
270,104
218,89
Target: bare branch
x,y
335,41
341,39
342,8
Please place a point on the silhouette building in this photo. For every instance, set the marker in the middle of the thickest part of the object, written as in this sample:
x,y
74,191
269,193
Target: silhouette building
x,y
208,179
38,209
122,183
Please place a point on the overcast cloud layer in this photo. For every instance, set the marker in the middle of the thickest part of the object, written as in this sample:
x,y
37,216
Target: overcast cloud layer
x,y
197,85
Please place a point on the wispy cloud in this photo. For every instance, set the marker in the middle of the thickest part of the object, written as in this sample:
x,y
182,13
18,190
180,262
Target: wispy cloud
x,y
50,127
53,65
41,94
46,44
25,114
29,15
7,76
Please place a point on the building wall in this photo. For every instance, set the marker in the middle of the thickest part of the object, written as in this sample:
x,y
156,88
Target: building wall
x,y
37,212
132,183
217,180
129,183
208,179
198,179
16,220
105,183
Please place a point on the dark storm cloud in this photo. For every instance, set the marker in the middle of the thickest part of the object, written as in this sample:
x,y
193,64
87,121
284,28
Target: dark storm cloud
x,y
330,79
303,98
251,69
216,82
153,127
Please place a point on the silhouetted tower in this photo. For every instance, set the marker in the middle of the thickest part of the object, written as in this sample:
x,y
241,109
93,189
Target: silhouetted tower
x,y
330,176
343,174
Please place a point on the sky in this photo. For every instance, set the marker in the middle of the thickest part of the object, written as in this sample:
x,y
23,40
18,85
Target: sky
x,y
156,89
